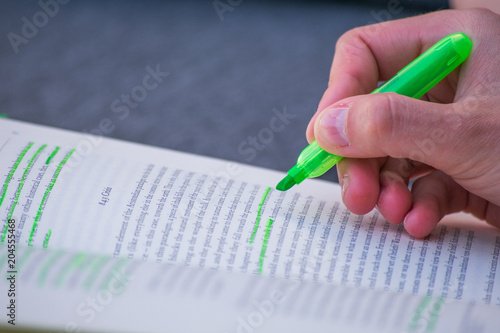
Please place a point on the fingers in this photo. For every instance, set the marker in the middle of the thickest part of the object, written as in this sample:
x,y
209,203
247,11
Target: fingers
x,y
394,200
437,195
359,181
366,55
382,182
431,197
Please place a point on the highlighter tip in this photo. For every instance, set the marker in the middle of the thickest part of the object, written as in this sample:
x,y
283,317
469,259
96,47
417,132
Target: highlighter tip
x,y
286,183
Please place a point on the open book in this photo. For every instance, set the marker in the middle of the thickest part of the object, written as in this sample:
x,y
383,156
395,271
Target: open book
x,y
108,236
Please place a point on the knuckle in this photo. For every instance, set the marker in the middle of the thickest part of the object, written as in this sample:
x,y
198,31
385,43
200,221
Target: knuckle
x,y
379,116
347,37
353,48
351,43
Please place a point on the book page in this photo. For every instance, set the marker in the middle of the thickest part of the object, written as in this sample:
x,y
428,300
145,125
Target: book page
x,y
93,293
80,193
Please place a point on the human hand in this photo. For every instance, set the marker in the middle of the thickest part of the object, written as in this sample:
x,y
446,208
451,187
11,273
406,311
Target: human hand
x,y
450,139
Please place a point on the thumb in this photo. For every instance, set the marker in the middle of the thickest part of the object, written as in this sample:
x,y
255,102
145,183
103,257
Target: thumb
x,y
389,124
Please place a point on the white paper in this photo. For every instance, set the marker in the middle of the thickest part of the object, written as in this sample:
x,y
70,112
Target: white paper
x,y
123,200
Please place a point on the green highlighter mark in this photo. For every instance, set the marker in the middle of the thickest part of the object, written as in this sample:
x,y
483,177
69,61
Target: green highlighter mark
x,y
23,259
259,212
46,195
117,267
20,188
417,314
47,238
52,155
428,309
76,262
13,170
47,266
267,233
95,268
434,315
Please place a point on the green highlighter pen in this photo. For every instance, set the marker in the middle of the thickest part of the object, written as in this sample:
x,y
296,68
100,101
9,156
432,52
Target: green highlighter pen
x,y
413,81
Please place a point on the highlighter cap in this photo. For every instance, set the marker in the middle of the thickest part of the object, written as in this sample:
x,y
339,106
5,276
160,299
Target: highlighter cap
x,y
430,67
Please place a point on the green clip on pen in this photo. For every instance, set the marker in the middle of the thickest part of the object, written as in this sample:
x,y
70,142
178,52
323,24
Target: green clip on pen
x,y
413,81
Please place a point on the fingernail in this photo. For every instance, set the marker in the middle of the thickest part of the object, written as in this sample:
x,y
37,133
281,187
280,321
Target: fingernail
x,y
405,219
332,124
344,183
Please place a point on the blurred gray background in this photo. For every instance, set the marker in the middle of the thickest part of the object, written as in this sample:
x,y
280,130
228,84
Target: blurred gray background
x,y
232,66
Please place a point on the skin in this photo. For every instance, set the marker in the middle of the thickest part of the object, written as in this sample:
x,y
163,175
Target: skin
x,y
493,5
449,140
